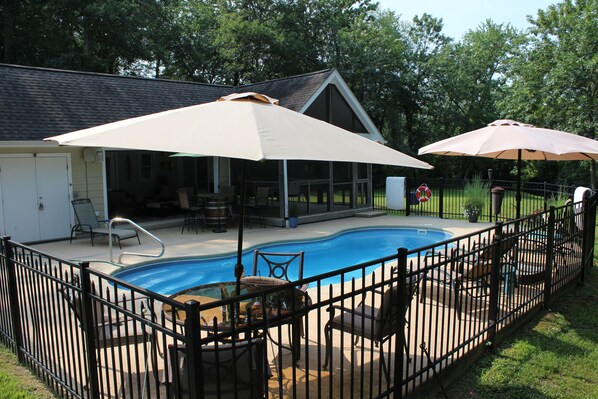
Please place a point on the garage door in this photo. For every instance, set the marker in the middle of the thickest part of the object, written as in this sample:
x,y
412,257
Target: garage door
x,y
35,192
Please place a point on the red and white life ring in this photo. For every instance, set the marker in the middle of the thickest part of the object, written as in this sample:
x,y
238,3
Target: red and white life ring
x,y
423,193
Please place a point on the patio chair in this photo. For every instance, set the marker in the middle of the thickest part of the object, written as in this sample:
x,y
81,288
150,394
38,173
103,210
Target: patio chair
x,y
259,203
368,322
278,266
229,370
470,271
193,213
89,223
229,192
564,237
114,332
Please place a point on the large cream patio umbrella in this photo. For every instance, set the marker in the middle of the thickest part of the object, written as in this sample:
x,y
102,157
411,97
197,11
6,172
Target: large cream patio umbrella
x,y
248,126
508,139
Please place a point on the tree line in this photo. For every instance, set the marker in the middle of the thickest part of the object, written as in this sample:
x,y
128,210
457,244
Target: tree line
x,y
417,84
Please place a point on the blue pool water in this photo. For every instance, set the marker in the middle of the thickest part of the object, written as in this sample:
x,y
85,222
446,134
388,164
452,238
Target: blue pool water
x,y
321,256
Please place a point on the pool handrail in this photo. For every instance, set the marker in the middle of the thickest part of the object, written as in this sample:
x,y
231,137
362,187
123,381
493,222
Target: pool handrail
x,y
139,228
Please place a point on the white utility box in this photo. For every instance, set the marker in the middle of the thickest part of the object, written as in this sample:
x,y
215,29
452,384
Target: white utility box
x,y
395,192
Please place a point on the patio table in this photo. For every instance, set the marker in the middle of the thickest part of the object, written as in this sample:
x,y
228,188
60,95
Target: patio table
x,y
218,319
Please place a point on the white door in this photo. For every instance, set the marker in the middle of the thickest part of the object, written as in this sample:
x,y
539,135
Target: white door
x,y
35,194
19,198
53,194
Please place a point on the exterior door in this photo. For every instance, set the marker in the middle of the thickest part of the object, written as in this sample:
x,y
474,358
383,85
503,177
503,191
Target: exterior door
x,y
19,198
53,194
35,193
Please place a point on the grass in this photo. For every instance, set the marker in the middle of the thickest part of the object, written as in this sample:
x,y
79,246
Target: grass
x,y
554,356
455,197
17,382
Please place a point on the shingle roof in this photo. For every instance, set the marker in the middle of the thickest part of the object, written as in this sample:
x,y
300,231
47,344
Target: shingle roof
x,y
293,92
40,102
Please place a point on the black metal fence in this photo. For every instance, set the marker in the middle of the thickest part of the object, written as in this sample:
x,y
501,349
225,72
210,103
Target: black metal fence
x,y
391,327
447,198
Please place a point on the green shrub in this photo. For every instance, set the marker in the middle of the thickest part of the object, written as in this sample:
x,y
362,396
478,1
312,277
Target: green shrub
x,y
476,193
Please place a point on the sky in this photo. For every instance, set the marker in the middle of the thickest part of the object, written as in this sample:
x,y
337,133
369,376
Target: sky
x,y
460,16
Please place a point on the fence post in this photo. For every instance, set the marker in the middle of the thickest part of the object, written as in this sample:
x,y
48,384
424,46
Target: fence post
x,y
549,257
408,196
545,195
193,340
495,280
441,198
13,299
400,341
89,332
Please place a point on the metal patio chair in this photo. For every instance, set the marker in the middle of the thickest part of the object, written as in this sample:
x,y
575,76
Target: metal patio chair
x,y
470,271
280,265
113,331
194,216
229,370
377,324
257,205
89,223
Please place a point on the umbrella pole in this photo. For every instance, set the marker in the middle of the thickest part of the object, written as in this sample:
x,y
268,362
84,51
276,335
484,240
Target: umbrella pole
x,y
518,194
239,269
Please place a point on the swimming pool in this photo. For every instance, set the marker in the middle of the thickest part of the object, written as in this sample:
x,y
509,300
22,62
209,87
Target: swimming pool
x,y
321,255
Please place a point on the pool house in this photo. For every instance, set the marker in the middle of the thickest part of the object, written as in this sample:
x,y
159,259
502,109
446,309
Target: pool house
x,y
143,185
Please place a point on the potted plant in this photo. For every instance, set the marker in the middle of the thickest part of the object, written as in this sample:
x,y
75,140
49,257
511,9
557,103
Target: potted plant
x,y
293,215
476,195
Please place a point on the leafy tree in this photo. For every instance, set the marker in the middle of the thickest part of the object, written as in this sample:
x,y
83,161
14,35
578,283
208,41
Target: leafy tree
x,y
555,79
372,56
92,35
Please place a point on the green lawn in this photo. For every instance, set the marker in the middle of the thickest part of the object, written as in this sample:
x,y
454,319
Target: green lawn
x,y
453,198
17,382
554,356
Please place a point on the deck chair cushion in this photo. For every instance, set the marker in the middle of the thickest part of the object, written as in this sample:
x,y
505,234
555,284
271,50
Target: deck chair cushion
x,y
234,370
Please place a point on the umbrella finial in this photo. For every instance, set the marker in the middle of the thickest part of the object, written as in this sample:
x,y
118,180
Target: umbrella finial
x,y
249,96
509,122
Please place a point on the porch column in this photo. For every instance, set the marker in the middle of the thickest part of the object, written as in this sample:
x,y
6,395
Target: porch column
x,y
285,186
216,167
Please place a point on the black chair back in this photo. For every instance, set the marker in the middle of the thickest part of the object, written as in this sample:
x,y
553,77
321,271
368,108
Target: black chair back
x,y
229,370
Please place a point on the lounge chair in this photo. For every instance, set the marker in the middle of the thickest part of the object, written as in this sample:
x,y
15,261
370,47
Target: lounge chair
x,y
470,271
229,370
368,322
89,223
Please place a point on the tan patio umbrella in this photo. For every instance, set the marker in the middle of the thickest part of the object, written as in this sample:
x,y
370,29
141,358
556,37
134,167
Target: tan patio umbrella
x,y
507,139
248,126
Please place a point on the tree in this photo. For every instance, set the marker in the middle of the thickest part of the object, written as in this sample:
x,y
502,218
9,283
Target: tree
x,y
555,79
92,35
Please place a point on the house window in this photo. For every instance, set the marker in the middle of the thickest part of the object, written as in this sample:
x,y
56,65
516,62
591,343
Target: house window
x,y
146,167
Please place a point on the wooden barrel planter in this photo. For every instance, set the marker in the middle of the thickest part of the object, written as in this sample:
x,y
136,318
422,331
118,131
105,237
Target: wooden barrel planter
x,y
216,212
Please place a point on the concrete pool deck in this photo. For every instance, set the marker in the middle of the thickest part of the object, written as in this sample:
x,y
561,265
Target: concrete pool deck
x,y
205,243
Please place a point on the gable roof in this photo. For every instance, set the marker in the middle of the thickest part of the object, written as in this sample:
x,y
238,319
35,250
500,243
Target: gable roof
x,y
41,102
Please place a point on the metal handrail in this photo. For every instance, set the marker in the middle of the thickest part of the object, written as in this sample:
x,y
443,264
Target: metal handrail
x,y
139,228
